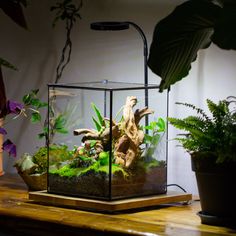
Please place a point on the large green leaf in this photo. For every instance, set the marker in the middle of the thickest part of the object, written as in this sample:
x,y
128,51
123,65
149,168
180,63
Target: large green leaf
x,y
14,10
178,37
225,30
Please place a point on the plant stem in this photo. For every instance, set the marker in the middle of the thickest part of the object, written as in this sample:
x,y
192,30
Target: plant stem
x,y
67,48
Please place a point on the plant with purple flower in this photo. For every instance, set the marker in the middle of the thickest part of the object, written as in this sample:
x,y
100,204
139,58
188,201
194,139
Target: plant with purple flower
x,y
11,107
14,107
14,10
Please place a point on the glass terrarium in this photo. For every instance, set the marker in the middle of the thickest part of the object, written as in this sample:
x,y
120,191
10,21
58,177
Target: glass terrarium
x,y
107,140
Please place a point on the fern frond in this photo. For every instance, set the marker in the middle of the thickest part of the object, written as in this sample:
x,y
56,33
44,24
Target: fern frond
x,y
187,124
219,110
204,134
197,121
189,145
197,109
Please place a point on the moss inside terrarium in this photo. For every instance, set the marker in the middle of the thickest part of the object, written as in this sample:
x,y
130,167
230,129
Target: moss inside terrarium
x,y
70,171
58,153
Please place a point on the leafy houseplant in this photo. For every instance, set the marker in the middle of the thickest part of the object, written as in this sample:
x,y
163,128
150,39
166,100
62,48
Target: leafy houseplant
x,y
192,26
33,168
177,38
211,142
14,10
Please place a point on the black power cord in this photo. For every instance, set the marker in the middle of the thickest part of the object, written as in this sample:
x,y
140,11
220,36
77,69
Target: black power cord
x,y
176,185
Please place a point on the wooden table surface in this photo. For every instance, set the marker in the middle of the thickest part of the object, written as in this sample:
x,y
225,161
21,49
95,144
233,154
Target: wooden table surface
x,y
19,216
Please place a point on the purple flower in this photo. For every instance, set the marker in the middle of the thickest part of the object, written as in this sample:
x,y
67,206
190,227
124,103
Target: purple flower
x,y
9,147
3,131
14,107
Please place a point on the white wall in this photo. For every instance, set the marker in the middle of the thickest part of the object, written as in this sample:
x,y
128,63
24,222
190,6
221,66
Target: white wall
x,y
115,56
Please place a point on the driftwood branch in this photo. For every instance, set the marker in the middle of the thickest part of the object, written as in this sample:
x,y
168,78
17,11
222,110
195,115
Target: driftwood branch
x,y
126,135
127,148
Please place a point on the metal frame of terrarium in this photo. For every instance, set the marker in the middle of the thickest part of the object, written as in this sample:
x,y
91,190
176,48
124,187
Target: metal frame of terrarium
x,y
110,88
117,26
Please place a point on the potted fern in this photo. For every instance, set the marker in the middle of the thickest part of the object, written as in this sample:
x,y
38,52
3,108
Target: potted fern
x,y
211,142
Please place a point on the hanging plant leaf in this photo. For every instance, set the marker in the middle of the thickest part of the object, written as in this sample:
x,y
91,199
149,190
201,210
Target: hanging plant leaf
x,y
224,31
14,10
178,37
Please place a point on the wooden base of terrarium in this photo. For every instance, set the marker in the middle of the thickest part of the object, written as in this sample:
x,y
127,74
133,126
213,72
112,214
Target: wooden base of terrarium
x,y
108,206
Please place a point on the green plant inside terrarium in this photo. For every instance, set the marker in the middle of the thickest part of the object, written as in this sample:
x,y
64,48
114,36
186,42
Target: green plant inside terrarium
x,y
132,146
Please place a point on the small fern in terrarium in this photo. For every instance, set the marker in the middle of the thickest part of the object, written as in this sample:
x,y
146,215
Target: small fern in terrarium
x,y
205,133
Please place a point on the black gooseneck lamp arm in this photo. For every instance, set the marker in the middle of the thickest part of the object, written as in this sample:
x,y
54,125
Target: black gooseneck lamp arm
x,y
116,26
145,55
145,50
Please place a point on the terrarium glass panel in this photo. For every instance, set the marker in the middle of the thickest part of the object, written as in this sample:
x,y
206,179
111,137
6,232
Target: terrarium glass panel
x,y
107,140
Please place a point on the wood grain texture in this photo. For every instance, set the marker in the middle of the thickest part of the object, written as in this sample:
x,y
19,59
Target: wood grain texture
x,y
21,216
108,206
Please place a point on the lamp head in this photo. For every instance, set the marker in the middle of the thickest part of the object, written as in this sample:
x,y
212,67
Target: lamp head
x,y
109,26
